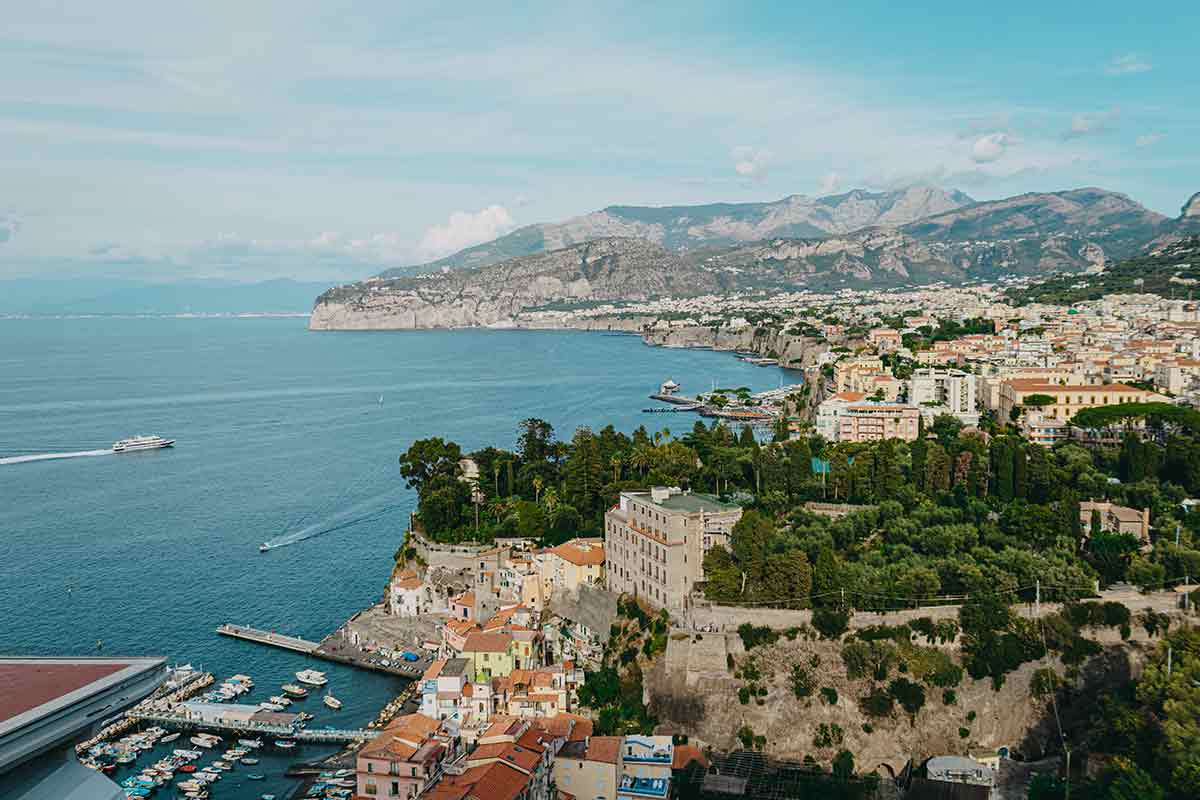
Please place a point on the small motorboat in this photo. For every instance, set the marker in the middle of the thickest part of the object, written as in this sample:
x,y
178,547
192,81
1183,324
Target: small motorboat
x,y
256,777
285,744
333,702
281,700
170,737
292,690
312,677
264,547
249,762
253,744
188,768
267,797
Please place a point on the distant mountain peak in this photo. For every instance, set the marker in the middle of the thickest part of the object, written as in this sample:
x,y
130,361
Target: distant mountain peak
x,y
1191,209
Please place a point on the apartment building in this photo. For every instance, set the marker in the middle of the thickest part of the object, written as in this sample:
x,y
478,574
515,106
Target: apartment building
x,y
655,542
826,422
950,391
885,340
1175,377
572,564
1068,400
589,768
404,759
870,422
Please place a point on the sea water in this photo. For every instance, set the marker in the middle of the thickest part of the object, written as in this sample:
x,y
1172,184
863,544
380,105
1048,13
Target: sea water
x,y
278,430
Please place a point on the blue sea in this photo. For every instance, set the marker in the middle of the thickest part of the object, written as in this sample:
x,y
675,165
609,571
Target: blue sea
x,y
278,430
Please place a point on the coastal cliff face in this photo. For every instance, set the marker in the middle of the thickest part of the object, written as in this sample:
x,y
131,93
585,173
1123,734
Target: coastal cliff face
x,y
607,270
796,352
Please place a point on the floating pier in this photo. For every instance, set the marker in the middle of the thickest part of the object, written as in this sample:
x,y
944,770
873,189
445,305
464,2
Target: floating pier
x,y
269,637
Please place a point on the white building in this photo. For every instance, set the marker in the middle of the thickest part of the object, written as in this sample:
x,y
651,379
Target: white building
x,y
944,391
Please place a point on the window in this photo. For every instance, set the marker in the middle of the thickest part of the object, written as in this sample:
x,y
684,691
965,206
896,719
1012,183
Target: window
x,y
395,788
370,767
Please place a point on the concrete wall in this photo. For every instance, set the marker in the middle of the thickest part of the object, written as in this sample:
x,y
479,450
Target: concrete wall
x,y
592,606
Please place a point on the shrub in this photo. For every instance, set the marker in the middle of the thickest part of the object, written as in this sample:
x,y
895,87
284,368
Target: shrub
x,y
868,658
730,664
873,633
910,696
754,635
745,735
949,698
868,728
843,765
750,670
802,682
828,736
971,716
877,704
829,695
1044,681
964,733
743,695
1115,614
831,623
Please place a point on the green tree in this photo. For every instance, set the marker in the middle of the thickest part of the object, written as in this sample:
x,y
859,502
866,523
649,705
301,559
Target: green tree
x,y
427,459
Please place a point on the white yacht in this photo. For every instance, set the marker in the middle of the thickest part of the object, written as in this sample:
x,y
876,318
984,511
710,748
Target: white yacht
x,y
312,677
141,443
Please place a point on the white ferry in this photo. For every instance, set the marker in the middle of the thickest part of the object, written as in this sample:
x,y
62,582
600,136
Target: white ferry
x,y
141,443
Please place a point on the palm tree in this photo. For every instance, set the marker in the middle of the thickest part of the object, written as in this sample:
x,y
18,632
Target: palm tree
x,y
641,458
615,461
537,489
496,475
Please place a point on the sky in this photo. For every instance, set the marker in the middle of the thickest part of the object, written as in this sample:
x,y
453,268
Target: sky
x,y
329,141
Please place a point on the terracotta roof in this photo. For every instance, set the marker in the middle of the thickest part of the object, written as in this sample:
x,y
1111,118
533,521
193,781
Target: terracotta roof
x,y
466,599
487,642
25,686
495,781
683,753
851,397
579,554
1035,385
461,626
434,670
583,726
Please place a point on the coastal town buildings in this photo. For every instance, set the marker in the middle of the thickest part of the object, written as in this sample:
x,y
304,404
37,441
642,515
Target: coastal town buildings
x,y
655,543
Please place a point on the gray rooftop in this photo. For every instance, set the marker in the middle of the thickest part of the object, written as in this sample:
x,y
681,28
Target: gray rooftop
x,y
695,503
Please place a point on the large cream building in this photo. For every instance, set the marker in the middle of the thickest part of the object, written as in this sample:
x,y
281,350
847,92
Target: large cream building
x,y
1068,400
655,543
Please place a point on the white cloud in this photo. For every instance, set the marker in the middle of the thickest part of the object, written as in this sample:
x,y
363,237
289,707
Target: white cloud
x,y
1091,124
751,162
829,184
464,229
990,147
8,228
1150,139
1128,64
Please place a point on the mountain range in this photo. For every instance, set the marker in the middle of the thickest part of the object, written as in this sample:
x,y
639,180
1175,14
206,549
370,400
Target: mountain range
x,y
626,253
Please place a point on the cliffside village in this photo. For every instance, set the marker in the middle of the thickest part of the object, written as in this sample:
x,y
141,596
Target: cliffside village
x,y
498,714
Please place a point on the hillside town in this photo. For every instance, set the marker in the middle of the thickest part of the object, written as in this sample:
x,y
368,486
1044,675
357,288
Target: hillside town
x,y
523,624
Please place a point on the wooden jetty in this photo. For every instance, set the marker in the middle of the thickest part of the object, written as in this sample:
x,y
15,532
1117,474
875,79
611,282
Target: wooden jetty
x,y
269,637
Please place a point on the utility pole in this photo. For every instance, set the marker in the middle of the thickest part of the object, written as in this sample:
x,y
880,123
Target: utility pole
x,y
1037,601
1170,652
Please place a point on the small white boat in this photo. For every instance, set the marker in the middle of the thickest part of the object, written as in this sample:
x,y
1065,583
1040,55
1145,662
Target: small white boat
x,y
285,744
170,737
204,740
292,690
333,702
312,677
253,744
264,547
281,700
270,706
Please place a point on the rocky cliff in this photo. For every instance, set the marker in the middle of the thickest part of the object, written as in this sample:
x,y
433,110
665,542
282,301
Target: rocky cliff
x,y
606,270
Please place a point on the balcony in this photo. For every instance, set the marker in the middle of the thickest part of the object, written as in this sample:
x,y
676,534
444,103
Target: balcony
x,y
632,787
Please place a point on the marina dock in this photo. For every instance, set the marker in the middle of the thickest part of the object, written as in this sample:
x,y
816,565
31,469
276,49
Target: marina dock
x,y
177,720
268,637
332,648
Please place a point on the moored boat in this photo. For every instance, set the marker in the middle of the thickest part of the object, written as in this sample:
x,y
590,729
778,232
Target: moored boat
x,y
312,677
333,702
292,690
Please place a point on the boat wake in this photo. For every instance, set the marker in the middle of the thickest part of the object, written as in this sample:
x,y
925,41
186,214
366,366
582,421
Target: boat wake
x,y
340,521
52,456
